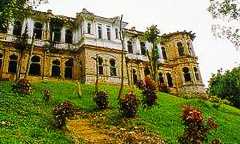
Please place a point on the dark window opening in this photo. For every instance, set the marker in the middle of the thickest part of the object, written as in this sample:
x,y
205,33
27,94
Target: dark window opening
x,y
56,35
170,81
143,48
186,74
89,28
161,79
68,69
108,33
100,66
68,36
164,54
135,78
12,68
35,67
1,61
180,49
117,33
113,70
130,47
56,68
17,29
196,71
99,32
38,30
146,71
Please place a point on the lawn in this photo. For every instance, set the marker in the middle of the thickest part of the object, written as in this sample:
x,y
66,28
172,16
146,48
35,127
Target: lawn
x,y
29,118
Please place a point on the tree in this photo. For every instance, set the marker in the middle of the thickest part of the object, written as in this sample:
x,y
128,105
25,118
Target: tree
x,y
152,36
226,86
228,11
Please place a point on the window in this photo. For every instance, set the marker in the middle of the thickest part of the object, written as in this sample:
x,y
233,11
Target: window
x,y
35,67
1,61
100,66
38,30
108,33
56,33
169,79
56,68
68,36
130,47
68,69
143,48
161,79
164,54
196,71
180,49
116,33
186,74
100,32
146,71
17,29
113,70
12,68
134,75
89,27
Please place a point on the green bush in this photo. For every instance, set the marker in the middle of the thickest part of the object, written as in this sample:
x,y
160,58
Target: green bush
x,y
23,86
129,105
226,86
101,99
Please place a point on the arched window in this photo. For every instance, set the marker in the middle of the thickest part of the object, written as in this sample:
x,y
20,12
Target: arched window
x,y
35,67
100,66
146,71
164,54
130,47
169,79
17,29
161,79
196,71
100,32
12,68
143,48
68,69
56,33
180,49
56,68
1,61
108,33
89,27
68,36
116,33
38,30
134,75
186,74
113,70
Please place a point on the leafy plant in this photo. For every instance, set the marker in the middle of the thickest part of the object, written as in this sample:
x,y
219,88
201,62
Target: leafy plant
x,y
196,129
101,99
61,112
23,86
128,105
163,88
149,92
140,84
46,95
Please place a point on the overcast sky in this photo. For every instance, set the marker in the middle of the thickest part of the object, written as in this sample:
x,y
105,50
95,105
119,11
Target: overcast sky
x,y
170,16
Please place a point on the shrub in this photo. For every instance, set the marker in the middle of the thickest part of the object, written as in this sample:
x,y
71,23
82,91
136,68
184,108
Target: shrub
x,y
128,105
150,83
149,92
196,129
61,112
101,99
193,94
163,88
46,95
140,84
23,86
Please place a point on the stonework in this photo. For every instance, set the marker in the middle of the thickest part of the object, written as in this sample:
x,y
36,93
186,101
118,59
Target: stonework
x,y
70,51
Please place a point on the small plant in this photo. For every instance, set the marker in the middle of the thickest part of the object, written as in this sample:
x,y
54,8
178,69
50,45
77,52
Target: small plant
x,y
163,88
61,112
128,105
23,86
140,84
149,92
196,129
46,95
101,99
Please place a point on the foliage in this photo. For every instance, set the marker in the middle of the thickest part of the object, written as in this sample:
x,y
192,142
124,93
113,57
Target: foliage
x,y
196,130
140,84
226,86
101,99
149,92
128,105
46,95
193,94
61,112
23,86
229,12
163,88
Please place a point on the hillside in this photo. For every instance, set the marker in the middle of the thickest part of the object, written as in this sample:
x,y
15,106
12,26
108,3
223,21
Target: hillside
x,y
28,118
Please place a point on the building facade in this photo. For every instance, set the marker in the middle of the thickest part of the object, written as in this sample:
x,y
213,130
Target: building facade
x,y
48,46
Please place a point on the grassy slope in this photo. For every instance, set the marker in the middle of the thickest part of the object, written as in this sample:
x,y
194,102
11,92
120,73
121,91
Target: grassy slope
x,y
31,117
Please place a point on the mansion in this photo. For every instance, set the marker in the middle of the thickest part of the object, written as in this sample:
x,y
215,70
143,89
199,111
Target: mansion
x,y
80,48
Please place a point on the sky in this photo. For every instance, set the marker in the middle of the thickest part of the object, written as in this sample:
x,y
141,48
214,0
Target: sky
x,y
170,16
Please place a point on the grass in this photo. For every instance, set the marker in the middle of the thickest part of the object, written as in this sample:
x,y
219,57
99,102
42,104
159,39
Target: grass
x,y
31,117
